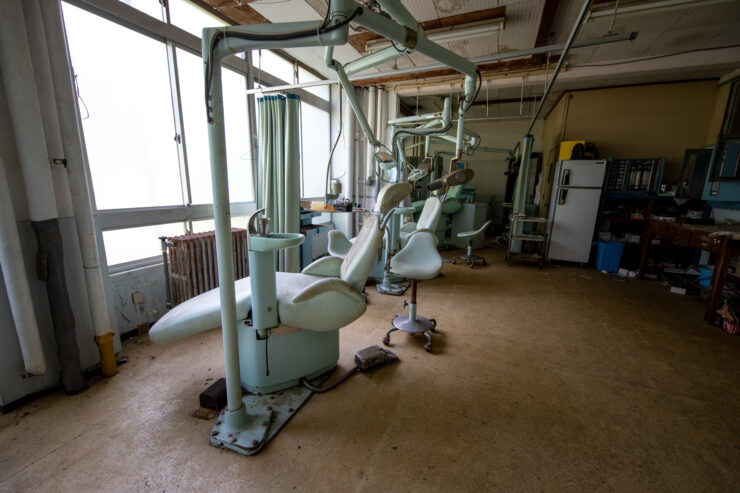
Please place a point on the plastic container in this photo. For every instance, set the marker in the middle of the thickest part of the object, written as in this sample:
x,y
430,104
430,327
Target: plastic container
x,y
705,276
609,255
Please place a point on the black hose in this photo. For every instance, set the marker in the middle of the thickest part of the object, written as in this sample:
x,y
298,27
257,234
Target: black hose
x,y
331,386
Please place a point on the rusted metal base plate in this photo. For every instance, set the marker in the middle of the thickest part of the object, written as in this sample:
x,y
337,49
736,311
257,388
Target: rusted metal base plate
x,y
267,414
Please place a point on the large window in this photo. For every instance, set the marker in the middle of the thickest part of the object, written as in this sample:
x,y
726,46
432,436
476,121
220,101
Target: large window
x,y
126,107
315,148
146,132
238,153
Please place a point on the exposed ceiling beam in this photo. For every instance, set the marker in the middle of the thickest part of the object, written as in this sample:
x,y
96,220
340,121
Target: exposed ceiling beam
x,y
359,41
497,68
549,9
237,13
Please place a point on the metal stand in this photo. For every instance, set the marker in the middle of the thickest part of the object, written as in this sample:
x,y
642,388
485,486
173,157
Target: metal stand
x,y
412,323
469,258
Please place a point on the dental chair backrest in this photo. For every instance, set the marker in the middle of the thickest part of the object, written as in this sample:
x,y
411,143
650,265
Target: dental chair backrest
x,y
359,261
451,203
430,214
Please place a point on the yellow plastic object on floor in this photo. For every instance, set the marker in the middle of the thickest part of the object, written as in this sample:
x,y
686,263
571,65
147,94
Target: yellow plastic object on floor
x,y
107,354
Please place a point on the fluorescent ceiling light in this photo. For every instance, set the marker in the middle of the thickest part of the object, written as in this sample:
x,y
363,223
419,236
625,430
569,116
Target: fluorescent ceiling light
x,y
448,35
650,7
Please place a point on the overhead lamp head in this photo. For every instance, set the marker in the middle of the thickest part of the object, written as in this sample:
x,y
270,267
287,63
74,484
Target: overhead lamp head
x,y
457,177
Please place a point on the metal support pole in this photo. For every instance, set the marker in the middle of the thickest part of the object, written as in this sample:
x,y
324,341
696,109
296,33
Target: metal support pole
x,y
566,49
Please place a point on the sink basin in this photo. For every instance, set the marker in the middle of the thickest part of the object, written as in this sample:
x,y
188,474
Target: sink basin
x,y
275,242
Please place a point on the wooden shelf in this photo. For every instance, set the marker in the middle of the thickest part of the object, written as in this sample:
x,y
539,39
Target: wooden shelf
x,y
623,219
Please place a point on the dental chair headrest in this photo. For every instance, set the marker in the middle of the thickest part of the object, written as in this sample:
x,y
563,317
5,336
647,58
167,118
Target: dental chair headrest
x,y
391,195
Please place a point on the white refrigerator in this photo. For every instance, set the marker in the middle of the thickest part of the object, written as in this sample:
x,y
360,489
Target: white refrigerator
x,y
574,206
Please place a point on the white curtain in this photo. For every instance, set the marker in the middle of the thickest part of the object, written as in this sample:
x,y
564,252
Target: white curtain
x,y
279,170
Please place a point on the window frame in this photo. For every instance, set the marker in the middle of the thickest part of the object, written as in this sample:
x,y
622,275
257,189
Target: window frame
x,y
176,38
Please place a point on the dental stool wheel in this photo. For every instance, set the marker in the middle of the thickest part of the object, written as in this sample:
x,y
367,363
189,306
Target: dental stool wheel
x,y
453,261
428,347
433,328
386,341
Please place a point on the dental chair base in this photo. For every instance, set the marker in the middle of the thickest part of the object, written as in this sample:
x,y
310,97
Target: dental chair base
x,y
393,285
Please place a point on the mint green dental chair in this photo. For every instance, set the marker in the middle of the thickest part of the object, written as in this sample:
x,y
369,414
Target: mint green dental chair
x,y
429,218
312,306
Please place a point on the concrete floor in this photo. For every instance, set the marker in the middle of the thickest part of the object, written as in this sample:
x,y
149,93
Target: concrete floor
x,y
561,379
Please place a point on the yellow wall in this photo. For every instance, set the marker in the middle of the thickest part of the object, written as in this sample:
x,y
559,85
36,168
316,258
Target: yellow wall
x,y
645,121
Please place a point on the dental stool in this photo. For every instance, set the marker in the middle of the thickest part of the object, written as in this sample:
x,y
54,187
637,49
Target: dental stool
x,y
418,260
471,235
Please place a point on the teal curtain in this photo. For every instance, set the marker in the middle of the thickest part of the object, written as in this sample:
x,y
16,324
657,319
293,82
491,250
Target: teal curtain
x,y
280,170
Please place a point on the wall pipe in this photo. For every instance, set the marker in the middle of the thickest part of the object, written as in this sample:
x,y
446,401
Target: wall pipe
x,y
16,284
25,115
371,110
71,129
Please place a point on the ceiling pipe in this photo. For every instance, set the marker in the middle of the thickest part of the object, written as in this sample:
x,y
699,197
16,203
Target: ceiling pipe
x,y
541,50
566,49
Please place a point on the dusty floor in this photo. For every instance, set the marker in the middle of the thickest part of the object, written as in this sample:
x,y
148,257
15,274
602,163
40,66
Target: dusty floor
x,y
561,379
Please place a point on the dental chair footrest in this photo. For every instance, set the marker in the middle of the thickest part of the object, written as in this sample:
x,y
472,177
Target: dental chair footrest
x,y
420,325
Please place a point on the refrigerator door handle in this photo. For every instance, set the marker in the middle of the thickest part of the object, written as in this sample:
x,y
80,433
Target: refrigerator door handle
x,y
563,195
565,180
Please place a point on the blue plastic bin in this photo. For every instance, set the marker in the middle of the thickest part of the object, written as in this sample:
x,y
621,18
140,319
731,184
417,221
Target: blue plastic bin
x,y
705,276
609,255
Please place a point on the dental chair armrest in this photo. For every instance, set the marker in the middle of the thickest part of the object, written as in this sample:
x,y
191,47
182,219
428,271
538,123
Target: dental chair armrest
x,y
325,266
329,285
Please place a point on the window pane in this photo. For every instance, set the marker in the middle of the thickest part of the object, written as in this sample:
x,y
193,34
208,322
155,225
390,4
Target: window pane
x,y
315,149
320,91
151,7
126,107
273,65
125,245
190,68
192,18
